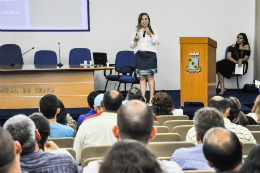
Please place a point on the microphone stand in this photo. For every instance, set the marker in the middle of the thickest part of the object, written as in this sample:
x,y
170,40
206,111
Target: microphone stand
x,y
59,65
13,64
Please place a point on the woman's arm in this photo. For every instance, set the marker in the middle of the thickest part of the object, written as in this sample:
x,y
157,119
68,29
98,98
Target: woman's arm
x,y
155,37
240,61
133,39
229,55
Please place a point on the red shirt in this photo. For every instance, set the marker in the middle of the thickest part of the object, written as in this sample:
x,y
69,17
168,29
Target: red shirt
x,y
92,116
154,117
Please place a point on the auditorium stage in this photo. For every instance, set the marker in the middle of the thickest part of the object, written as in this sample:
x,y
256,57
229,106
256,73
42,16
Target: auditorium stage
x,y
247,102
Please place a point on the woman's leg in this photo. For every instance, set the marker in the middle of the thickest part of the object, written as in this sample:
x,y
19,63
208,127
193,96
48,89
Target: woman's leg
x,y
143,85
151,84
221,81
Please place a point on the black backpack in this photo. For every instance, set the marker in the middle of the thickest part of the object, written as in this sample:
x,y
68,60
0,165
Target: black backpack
x,y
250,88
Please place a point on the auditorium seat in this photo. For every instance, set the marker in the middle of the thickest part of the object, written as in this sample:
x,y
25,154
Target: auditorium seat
x,y
63,142
72,126
75,123
248,146
173,123
94,151
182,130
90,160
155,123
166,137
166,149
162,118
72,152
162,129
253,127
256,135
164,158
199,171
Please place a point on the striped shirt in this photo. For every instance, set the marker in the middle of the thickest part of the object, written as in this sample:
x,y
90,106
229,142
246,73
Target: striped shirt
x,y
243,134
44,162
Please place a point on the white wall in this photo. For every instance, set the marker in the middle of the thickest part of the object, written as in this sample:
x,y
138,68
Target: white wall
x,y
111,24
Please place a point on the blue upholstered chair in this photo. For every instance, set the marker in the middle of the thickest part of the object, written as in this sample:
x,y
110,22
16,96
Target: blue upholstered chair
x,y
79,55
125,67
45,57
10,53
245,67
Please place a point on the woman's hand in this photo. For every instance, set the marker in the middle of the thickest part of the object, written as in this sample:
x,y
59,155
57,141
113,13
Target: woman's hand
x,y
239,62
148,31
50,146
136,38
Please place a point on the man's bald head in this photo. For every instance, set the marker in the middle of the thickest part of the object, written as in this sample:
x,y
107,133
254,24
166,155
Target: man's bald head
x,y
219,103
112,100
223,149
135,121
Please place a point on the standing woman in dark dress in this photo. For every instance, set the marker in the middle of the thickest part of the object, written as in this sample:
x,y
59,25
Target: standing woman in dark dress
x,y
237,53
143,40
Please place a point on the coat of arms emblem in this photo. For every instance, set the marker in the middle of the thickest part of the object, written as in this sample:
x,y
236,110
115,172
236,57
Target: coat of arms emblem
x,y
193,63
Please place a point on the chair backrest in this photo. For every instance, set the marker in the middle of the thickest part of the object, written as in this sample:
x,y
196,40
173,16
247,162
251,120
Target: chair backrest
x,y
199,171
256,135
248,146
182,130
155,123
90,160
9,53
253,127
75,123
124,58
45,57
166,149
72,126
166,137
79,55
162,118
226,52
173,123
162,129
72,152
95,151
63,142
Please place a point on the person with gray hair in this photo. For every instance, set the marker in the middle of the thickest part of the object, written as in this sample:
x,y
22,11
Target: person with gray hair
x,y
33,159
193,158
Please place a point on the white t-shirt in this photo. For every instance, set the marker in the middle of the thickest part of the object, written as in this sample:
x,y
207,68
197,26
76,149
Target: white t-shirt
x,y
253,115
177,112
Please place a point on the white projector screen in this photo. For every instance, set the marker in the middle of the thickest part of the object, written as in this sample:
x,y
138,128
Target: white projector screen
x,y
44,15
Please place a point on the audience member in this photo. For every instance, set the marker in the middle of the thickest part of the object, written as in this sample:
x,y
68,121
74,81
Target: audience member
x,y
223,150
91,98
162,105
256,109
252,162
97,107
9,153
98,131
135,121
43,126
33,159
49,108
193,158
134,94
63,117
236,115
129,156
221,105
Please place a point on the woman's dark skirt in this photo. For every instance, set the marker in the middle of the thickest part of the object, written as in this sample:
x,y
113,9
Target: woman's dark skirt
x,y
226,67
146,63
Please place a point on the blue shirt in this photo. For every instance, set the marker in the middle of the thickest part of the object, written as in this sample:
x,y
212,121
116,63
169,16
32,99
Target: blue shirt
x,y
45,162
82,117
191,158
60,131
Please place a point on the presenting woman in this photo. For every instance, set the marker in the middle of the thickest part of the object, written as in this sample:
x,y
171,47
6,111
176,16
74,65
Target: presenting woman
x,y
237,53
143,40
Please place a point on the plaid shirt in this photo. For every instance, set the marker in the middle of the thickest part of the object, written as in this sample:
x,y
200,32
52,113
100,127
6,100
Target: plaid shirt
x,y
243,134
44,162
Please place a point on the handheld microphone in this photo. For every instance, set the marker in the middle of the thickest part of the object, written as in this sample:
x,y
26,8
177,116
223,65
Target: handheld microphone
x,y
60,64
145,26
13,64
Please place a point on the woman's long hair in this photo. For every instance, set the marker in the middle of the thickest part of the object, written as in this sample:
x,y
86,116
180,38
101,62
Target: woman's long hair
x,y
236,112
62,115
129,156
162,104
256,107
139,26
244,43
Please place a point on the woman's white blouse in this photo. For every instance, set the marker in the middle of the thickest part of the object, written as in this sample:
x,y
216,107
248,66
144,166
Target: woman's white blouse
x,y
146,43
253,115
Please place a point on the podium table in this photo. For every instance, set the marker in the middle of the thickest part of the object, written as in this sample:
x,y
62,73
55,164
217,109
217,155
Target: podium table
x,y
197,69
22,86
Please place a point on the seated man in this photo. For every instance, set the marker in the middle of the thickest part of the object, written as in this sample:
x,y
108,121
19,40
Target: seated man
x,y
33,159
97,107
49,108
221,105
98,131
135,121
223,150
9,153
90,100
193,158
